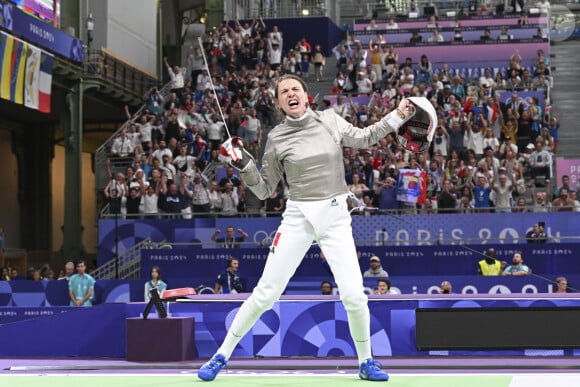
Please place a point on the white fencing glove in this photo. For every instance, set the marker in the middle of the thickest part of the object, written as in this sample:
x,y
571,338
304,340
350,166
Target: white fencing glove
x,y
416,133
238,156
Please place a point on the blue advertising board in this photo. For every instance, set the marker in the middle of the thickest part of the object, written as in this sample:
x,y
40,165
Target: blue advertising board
x,y
400,230
314,326
46,36
417,261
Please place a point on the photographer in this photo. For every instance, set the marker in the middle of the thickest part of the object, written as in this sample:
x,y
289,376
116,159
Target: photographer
x,y
537,234
154,100
228,281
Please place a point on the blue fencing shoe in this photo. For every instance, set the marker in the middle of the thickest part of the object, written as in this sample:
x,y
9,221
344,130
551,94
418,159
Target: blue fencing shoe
x,y
209,370
371,370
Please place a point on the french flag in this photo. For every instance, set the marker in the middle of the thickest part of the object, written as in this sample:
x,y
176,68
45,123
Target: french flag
x,y
45,82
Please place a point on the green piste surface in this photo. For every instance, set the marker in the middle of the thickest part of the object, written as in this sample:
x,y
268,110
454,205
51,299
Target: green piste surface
x,y
255,381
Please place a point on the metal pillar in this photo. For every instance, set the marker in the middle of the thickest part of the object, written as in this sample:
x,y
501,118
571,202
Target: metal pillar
x,y
72,122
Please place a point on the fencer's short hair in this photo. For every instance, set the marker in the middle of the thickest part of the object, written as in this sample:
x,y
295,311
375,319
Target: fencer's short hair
x,y
290,76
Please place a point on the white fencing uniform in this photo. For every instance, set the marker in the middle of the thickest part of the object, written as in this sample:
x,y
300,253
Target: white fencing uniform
x,y
309,151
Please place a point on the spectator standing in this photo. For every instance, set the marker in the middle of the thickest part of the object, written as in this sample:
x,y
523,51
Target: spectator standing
x,y
489,266
229,200
153,100
503,189
540,163
161,151
446,200
274,45
553,126
81,287
481,194
150,198
214,198
441,140
122,145
200,195
196,63
229,241
171,198
177,80
318,60
387,194
253,132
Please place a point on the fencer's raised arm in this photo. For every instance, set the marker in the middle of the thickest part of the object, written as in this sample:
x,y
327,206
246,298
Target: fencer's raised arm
x,y
309,150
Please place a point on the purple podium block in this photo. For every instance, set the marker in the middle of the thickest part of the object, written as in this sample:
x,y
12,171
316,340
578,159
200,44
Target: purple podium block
x,y
160,339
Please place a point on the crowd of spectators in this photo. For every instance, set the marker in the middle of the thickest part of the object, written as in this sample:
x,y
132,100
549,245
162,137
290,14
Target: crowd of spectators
x,y
165,148
487,155
44,273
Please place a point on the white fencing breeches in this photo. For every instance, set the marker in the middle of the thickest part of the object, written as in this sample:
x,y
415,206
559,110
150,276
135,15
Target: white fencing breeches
x,y
329,223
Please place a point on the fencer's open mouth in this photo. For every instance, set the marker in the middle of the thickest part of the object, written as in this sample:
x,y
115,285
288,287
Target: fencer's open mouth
x,y
293,103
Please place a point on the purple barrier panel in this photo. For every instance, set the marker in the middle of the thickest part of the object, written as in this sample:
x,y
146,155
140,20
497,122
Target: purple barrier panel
x,y
97,331
14,314
28,293
469,35
360,25
474,52
317,326
5,293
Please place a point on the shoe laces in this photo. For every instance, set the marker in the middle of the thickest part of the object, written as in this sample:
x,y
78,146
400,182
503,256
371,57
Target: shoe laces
x,y
217,364
374,365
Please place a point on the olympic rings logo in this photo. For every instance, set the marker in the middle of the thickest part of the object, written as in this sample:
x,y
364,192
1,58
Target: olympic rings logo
x,y
262,238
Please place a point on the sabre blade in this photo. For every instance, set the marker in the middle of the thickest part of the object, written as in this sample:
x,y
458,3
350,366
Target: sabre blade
x,y
217,101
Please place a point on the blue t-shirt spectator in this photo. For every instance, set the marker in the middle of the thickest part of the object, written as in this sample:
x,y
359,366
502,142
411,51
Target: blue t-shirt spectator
x,y
481,196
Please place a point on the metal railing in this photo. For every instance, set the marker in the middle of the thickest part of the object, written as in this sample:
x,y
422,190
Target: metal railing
x,y
125,266
248,9
103,154
103,65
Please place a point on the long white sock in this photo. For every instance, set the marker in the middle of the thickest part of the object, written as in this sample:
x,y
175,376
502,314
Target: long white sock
x,y
359,322
243,321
